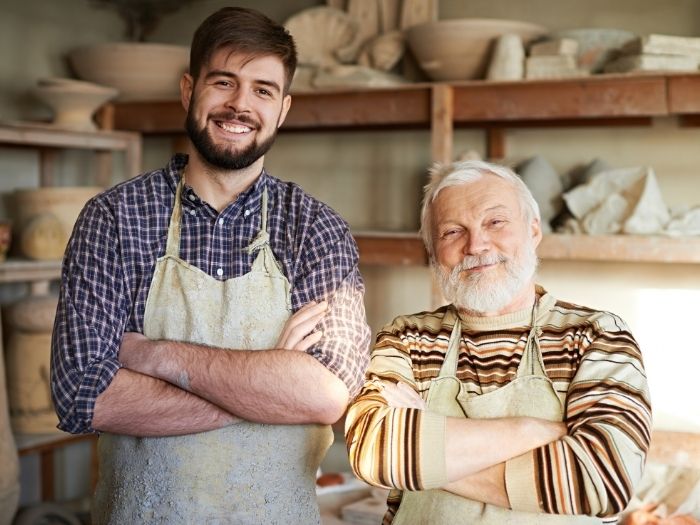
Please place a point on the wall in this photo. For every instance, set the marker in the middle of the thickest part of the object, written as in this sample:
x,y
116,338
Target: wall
x,y
374,178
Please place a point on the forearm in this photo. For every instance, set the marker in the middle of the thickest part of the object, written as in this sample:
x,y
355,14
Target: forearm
x,y
472,445
139,405
265,386
486,486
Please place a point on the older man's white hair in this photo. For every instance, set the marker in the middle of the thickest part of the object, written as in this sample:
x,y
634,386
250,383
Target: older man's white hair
x,y
464,172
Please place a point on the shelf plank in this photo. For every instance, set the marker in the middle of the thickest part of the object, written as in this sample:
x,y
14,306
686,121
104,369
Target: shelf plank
x,y
597,100
36,134
24,270
600,96
388,248
391,249
620,248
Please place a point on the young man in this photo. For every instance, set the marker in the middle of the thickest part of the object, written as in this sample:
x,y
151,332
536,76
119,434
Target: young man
x,y
174,336
507,405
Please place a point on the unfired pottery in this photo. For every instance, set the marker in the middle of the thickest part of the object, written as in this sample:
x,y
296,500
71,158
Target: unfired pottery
x,y
319,32
546,186
358,76
460,49
139,70
383,52
30,322
73,104
624,200
595,45
508,59
40,212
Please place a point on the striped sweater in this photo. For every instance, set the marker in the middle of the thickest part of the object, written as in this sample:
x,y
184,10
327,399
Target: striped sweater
x,y
597,371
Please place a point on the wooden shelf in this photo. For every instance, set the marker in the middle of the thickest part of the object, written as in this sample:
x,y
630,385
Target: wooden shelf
x,y
594,100
389,248
25,270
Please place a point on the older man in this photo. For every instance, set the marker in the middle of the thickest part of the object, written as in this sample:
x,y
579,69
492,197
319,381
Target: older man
x,y
507,405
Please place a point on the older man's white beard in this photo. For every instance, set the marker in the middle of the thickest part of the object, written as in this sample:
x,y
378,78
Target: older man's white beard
x,y
482,293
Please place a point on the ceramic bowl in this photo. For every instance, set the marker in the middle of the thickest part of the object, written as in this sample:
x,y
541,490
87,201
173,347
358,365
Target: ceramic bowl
x,y
140,71
460,49
73,104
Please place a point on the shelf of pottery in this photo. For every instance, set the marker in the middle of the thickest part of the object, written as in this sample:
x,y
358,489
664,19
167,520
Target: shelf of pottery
x,y
34,236
603,100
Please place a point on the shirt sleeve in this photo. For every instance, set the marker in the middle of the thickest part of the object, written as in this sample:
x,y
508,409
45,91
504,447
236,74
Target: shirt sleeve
x,y
330,272
399,448
90,319
594,469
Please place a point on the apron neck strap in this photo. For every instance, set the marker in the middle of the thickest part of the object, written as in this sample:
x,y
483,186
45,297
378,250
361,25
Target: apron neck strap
x,y
263,237
449,365
173,244
531,363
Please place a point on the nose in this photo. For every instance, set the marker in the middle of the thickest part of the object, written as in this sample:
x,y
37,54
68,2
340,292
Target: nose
x,y
238,100
477,242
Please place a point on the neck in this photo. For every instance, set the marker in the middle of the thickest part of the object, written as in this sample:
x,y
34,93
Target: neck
x,y
218,187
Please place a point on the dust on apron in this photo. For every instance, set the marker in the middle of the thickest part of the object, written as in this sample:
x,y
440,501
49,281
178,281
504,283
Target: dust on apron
x,y
531,393
246,473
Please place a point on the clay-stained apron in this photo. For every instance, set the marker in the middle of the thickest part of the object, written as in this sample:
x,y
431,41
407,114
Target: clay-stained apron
x,y
246,473
531,393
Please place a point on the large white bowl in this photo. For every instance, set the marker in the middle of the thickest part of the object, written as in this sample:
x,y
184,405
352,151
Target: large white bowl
x,y
460,48
139,70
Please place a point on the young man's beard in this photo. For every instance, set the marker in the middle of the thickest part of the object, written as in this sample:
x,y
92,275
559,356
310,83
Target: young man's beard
x,y
481,293
219,156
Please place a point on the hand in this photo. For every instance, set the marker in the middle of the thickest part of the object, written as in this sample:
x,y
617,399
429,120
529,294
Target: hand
x,y
297,332
400,395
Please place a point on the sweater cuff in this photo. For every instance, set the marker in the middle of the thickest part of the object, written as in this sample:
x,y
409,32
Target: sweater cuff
x,y
521,483
431,448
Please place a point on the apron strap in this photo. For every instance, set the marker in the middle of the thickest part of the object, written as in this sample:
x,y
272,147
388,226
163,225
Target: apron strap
x,y
449,365
173,244
263,237
532,364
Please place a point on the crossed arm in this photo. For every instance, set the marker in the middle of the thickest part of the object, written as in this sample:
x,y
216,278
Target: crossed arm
x,y
193,388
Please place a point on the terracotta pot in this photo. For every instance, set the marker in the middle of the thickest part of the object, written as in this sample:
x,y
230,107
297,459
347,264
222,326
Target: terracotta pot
x,y
44,218
140,71
460,49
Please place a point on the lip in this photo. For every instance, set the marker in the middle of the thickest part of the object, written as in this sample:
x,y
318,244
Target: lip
x,y
481,268
234,127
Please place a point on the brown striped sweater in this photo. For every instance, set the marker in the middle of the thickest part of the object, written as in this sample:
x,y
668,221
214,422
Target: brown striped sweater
x,y
597,371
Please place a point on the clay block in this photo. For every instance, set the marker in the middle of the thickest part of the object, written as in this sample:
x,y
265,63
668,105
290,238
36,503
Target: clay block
x,y
663,45
560,46
628,63
558,66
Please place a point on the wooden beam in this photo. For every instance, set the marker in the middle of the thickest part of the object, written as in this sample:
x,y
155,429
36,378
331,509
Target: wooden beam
x,y
441,135
402,249
495,143
591,97
684,93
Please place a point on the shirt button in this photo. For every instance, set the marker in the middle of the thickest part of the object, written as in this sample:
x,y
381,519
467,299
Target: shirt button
x,y
246,213
221,222
191,197
219,272
193,212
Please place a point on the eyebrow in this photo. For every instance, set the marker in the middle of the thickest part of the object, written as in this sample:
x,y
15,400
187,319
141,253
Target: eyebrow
x,y
260,81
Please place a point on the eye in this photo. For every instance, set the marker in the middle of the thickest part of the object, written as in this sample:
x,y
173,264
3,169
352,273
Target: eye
x,y
223,83
263,92
449,233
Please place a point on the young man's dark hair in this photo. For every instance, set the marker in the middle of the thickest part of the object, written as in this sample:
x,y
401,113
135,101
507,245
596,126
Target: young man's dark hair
x,y
243,30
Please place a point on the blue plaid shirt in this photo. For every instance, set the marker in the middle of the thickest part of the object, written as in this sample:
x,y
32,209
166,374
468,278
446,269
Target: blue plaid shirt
x,y
111,256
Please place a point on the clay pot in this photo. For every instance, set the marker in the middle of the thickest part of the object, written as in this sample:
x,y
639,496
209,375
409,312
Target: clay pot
x,y
139,70
30,322
460,49
73,102
44,218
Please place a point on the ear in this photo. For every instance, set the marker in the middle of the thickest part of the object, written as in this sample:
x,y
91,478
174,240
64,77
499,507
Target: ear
x,y
536,232
286,104
186,87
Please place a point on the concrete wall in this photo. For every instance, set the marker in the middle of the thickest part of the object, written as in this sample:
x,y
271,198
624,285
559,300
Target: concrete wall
x,y
374,178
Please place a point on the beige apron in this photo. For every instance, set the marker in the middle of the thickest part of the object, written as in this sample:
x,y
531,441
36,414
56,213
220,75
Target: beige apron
x,y
531,393
246,473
